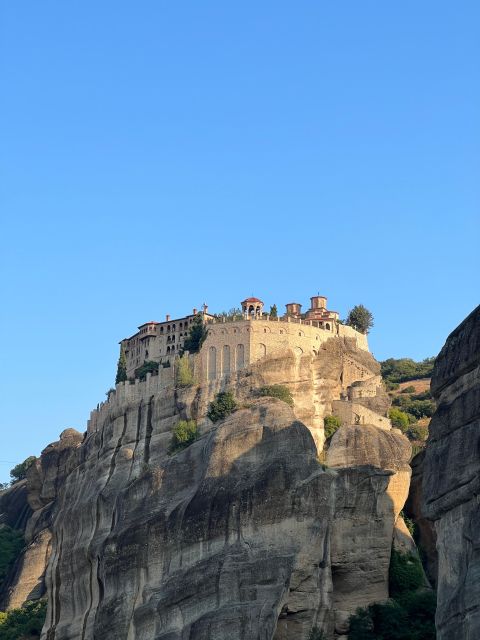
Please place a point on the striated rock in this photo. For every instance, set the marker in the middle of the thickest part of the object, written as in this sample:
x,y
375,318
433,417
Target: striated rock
x,y
451,481
27,506
242,535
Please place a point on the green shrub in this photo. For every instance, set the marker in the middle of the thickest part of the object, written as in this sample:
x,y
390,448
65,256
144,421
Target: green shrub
x,y
11,543
184,373
26,622
405,574
277,391
330,425
409,389
418,432
410,524
196,335
19,472
417,408
147,367
404,369
399,419
184,433
223,405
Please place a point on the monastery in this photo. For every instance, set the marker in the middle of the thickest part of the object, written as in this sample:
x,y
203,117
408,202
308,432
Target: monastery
x,y
233,342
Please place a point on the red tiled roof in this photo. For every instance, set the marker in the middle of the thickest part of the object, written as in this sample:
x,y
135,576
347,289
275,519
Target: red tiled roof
x,y
251,300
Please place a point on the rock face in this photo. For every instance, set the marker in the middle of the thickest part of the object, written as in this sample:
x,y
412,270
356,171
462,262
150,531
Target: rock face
x,y
451,481
244,534
27,506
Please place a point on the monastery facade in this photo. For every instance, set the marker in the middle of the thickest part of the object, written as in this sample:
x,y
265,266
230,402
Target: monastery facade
x,y
233,343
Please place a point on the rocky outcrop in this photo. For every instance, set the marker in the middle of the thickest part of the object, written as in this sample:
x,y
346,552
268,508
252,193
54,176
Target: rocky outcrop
x,y
244,534
27,507
451,481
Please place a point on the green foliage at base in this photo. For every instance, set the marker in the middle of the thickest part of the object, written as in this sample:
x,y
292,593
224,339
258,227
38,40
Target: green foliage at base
x,y
409,615
184,433
399,419
11,543
405,574
415,407
223,405
147,367
277,391
404,369
330,425
184,373
19,472
26,622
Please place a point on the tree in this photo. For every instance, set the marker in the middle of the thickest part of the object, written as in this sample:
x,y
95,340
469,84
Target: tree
x,y
196,335
360,318
19,472
273,311
121,367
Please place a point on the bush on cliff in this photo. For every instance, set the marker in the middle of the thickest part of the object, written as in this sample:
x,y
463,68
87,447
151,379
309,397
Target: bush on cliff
x,y
26,622
184,433
184,373
11,543
330,426
399,419
409,615
223,405
277,391
19,472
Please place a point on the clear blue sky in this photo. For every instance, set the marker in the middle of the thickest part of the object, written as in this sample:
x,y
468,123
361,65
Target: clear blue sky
x,y
155,155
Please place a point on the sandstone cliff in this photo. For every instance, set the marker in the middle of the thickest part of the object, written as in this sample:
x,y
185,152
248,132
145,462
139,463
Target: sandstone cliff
x,y
451,481
244,534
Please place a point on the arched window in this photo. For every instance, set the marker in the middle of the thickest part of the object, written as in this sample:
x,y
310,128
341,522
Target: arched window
x,y
225,359
261,351
212,363
240,356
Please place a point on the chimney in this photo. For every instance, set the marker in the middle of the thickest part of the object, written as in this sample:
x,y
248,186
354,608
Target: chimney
x,y
167,318
194,311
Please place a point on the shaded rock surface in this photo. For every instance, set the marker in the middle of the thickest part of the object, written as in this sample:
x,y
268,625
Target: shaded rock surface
x,y
451,481
242,535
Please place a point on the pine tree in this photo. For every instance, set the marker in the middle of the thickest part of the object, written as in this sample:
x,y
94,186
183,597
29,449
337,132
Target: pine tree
x,y
273,311
360,318
121,367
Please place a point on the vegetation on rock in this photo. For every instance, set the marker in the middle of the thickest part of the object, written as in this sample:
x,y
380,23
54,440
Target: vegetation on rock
x,y
330,425
404,369
196,335
223,405
360,318
11,543
409,615
184,433
184,373
147,367
24,623
121,367
273,311
279,391
19,472
399,419
316,634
